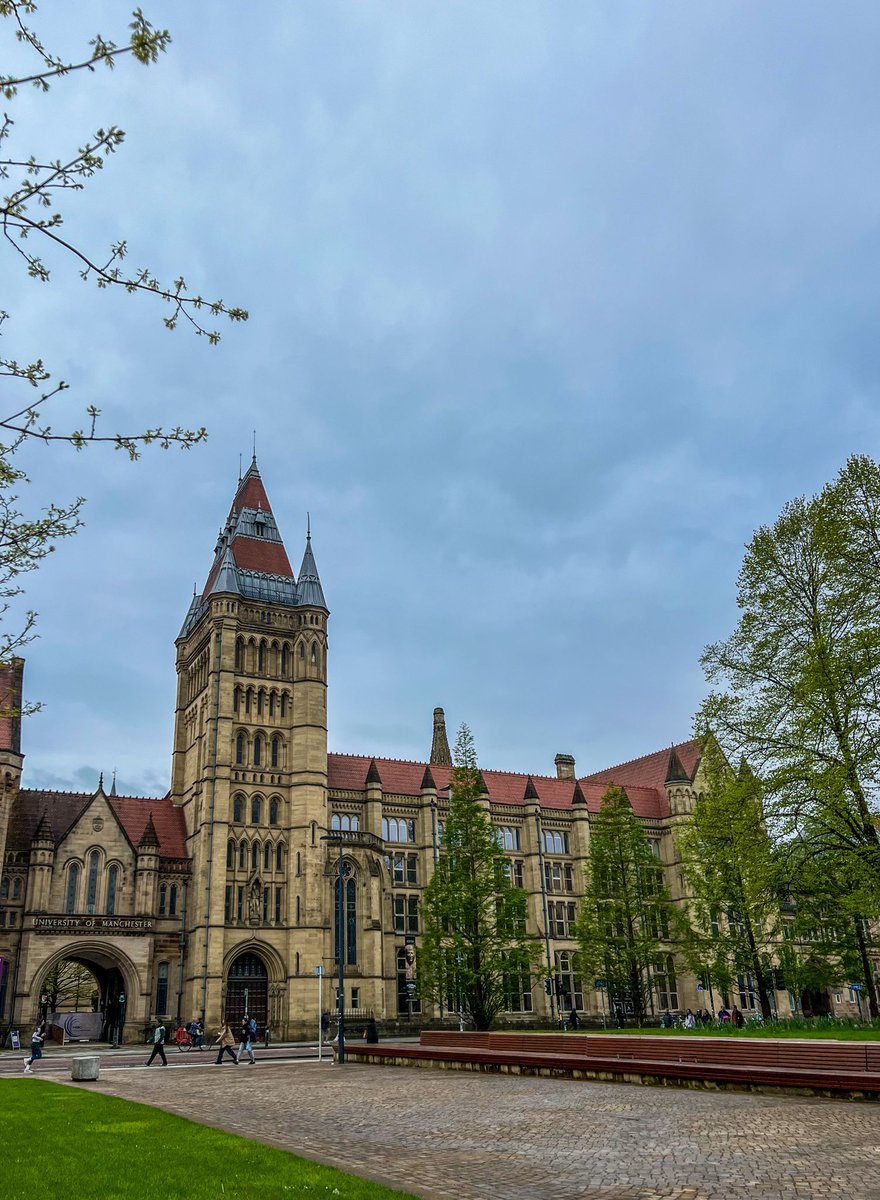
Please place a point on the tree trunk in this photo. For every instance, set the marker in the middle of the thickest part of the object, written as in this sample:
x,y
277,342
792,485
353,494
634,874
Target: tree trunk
x,y
866,970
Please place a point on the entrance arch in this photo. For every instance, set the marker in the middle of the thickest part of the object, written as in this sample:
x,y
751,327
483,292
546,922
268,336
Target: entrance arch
x,y
114,977
247,990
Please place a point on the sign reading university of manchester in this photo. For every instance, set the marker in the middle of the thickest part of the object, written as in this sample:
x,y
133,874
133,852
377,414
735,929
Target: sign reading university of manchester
x,y
93,924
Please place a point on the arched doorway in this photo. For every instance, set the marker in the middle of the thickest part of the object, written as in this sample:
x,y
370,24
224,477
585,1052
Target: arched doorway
x,y
247,990
85,992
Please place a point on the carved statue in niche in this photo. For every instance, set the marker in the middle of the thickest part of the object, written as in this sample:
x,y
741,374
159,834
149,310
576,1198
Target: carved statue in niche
x,y
255,902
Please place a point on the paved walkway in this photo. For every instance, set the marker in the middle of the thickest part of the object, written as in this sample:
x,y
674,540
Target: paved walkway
x,y
447,1135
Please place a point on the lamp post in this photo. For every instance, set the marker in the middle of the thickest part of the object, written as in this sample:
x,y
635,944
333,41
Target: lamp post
x,y
336,837
550,977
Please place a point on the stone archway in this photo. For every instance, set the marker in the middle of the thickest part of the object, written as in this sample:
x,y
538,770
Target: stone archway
x,y
247,990
115,983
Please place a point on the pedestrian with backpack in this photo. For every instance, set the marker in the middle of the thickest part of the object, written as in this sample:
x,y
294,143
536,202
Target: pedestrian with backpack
x,y
248,1033
158,1040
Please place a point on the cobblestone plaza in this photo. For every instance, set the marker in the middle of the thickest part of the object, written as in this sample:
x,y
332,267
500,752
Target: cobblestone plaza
x,y
444,1134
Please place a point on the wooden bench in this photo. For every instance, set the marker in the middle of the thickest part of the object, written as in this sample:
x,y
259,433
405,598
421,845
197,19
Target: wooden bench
x,y
828,1067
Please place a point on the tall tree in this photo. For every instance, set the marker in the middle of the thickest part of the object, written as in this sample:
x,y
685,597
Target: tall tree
x,y
798,681
733,882
624,925
475,946
40,178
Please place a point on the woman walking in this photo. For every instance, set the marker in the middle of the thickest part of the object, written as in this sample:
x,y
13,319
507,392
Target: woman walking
x,y
36,1048
226,1041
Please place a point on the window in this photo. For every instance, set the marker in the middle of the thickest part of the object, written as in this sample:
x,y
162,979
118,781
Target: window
x,y
72,887
172,901
276,749
665,983
239,902
508,837
406,914
278,906
4,890
745,985
285,660
238,809
112,885
230,855
555,842
654,844
238,654
162,989
562,917
279,857
258,750
239,748
398,829
163,903
515,872
407,998
267,857
284,704
272,710
256,810
558,877
517,992
248,695
255,856
273,811
260,695
349,897
261,658
16,888
345,821
92,890
571,987
227,904
266,893
236,697
242,856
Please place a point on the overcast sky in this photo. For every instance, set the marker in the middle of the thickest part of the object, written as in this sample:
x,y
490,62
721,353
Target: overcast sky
x,y
551,306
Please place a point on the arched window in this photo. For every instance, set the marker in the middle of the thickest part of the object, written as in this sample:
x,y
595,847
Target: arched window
x,y
230,855
4,890
261,657
273,811
334,821
248,693
260,695
284,704
271,704
172,901
302,650
276,745
238,809
72,887
92,889
267,857
349,895
314,654
163,899
256,810
162,989
285,659
385,837
255,856
112,885
236,696
258,750
239,748
239,654
16,888
279,857
242,856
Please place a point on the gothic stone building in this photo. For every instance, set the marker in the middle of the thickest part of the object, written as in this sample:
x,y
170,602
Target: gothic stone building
x,y
223,893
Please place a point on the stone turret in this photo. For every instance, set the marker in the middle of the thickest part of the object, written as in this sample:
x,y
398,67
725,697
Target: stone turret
x,y
42,863
11,757
679,787
440,753
373,804
146,873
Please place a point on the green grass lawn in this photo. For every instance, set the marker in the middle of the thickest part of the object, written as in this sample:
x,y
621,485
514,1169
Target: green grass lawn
x,y
60,1141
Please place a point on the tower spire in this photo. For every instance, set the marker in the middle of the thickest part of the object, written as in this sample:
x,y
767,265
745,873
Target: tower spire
x,y
440,753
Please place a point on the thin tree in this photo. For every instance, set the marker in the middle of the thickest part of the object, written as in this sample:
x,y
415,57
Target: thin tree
x,y
624,925
475,949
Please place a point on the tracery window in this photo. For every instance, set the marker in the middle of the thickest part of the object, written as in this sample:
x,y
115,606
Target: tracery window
x,y
72,887
112,884
92,889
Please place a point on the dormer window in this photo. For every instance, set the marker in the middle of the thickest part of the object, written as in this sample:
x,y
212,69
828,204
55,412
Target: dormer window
x,y
260,529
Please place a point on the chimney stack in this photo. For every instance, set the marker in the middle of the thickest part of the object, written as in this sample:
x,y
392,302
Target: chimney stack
x,y
564,766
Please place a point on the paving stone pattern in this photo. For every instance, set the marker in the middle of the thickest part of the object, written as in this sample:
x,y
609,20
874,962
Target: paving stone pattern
x,y
444,1135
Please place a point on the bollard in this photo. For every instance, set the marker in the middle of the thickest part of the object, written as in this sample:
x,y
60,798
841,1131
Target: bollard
x,y
85,1068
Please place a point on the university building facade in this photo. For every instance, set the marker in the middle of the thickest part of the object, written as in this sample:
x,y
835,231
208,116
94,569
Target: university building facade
x,y
224,892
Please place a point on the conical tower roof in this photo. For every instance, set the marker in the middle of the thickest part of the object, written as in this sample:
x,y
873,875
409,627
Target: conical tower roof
x,y
43,831
440,754
250,559
675,772
150,839
309,590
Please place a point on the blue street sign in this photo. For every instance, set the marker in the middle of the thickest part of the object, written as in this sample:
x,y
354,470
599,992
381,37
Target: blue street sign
x,y
856,987
601,984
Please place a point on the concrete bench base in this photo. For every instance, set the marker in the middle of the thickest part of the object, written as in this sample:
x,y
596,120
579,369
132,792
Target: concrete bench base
x,y
85,1068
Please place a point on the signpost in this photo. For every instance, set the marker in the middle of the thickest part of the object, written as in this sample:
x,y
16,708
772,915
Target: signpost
x,y
319,971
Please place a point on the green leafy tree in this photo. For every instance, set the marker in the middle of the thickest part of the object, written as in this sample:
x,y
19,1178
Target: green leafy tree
x,y
475,946
733,881
625,921
69,985
797,684
39,179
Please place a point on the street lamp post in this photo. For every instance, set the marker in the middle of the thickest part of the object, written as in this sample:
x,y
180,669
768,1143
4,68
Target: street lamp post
x,y
551,980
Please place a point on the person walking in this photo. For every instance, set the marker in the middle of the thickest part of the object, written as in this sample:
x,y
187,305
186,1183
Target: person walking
x,y
158,1040
226,1040
248,1033
573,1019
37,1038
737,1018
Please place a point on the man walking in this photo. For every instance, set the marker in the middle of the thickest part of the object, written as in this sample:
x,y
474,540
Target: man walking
x,y
158,1040
248,1033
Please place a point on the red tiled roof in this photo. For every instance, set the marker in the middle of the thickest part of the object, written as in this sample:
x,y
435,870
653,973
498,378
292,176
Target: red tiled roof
x,y
250,494
643,778
63,810
253,555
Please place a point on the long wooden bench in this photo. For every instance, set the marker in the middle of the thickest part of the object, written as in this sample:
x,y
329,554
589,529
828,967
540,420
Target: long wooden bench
x,y
826,1067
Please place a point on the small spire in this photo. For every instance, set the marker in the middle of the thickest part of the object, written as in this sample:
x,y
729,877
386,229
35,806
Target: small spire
x,y
255,446
531,792
113,784
440,754
101,782
578,798
675,772
43,831
150,839
373,775
239,468
428,780
482,790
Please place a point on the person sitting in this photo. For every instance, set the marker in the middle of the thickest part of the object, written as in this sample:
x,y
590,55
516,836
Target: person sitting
x,y
666,1020
690,1021
371,1033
